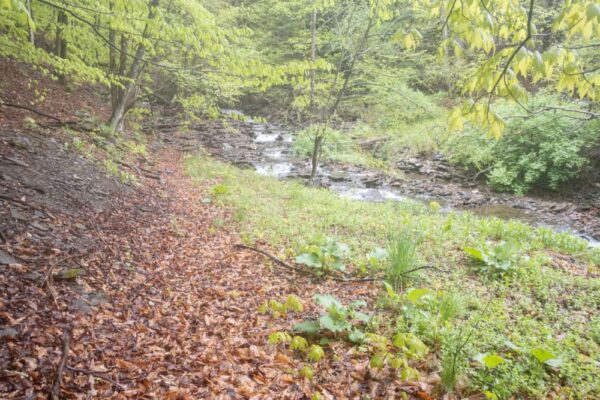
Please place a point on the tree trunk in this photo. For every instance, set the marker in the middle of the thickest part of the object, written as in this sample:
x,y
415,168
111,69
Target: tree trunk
x,y
60,45
313,58
318,142
124,100
31,35
315,154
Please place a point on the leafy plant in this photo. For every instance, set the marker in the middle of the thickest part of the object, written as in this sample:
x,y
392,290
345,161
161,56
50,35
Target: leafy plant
x,y
495,260
292,303
324,258
402,260
337,319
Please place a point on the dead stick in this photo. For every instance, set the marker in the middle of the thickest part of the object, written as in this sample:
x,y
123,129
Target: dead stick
x,y
33,110
273,258
55,392
304,271
97,375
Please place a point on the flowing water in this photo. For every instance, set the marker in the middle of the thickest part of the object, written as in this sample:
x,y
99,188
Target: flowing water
x,y
273,147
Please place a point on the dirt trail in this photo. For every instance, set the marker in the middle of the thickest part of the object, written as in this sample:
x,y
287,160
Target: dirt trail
x,y
159,304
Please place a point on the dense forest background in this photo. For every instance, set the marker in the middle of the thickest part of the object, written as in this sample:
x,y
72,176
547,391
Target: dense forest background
x,y
507,89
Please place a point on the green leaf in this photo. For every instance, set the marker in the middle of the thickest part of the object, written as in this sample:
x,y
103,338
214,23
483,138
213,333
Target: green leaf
x,y
306,372
263,308
377,360
279,337
541,354
416,295
490,361
546,357
327,300
309,327
294,303
361,316
475,253
333,325
356,336
315,353
298,343
309,259
390,290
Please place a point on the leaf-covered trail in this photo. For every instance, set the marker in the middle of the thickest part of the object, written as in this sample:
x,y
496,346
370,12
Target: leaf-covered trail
x,y
164,307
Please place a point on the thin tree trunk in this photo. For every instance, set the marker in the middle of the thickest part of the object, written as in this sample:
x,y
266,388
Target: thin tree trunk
x,y
31,35
60,46
315,154
318,142
313,58
120,107
112,62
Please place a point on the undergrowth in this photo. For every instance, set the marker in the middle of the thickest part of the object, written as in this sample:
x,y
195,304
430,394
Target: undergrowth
x,y
506,302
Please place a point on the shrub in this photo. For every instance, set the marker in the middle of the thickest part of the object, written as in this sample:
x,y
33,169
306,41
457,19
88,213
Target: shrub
x,y
543,150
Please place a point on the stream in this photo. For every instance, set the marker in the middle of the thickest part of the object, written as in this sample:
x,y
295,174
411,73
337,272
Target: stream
x,y
269,150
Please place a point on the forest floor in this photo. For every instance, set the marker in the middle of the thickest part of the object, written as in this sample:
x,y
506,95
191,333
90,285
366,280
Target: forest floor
x,y
154,301
114,290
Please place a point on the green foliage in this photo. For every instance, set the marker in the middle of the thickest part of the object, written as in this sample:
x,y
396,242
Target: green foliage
x,y
495,260
337,319
543,150
490,361
306,372
402,260
326,257
315,353
543,302
292,303
279,337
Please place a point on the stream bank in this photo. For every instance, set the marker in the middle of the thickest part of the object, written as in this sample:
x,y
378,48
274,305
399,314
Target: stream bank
x,y
268,149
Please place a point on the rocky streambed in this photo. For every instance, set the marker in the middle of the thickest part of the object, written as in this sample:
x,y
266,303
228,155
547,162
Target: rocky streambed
x,y
268,149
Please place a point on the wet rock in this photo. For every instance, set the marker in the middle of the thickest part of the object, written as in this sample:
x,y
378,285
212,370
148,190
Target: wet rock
x,y
7,259
339,177
244,164
8,333
80,305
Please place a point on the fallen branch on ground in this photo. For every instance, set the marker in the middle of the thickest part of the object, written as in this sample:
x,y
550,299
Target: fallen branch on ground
x,y
97,375
55,392
304,270
340,278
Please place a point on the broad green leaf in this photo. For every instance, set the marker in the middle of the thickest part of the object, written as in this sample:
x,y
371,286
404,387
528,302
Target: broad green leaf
x,y
475,253
308,327
356,336
546,357
327,300
309,259
541,354
490,361
416,295
333,325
